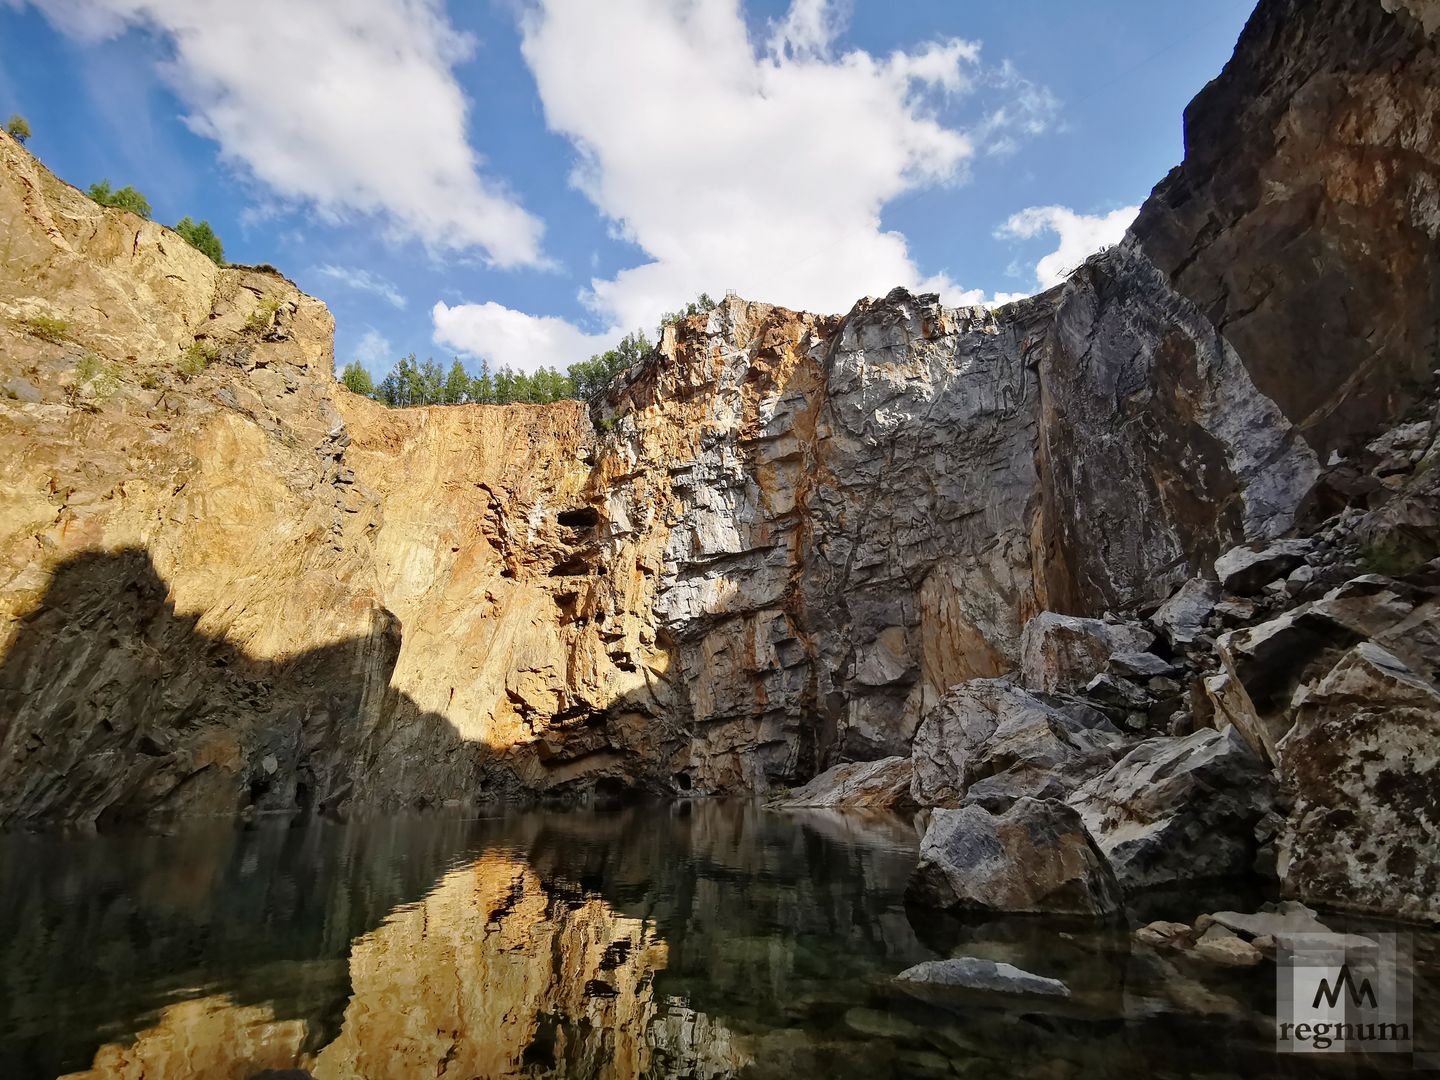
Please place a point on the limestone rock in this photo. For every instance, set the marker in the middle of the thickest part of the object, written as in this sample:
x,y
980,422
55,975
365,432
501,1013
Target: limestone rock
x,y
992,731
1361,762
1035,857
870,785
1177,810
975,973
1060,653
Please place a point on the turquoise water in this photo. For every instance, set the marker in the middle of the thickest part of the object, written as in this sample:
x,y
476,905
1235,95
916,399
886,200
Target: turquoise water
x,y
700,940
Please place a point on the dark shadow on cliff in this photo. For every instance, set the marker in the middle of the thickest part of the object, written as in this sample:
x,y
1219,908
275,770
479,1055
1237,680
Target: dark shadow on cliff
x,y
115,706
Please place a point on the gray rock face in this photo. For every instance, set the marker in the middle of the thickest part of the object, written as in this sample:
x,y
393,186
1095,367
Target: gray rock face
x,y
1174,810
1362,761
865,785
1035,857
975,973
992,731
1061,653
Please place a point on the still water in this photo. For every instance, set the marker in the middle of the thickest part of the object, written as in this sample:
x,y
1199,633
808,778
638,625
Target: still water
x,y
701,940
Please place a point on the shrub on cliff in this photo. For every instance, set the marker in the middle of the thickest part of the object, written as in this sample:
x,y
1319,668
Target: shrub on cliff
x,y
127,198
18,128
200,236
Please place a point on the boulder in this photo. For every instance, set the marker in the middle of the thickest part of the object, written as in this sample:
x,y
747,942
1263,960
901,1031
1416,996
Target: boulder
x,y
1221,946
1165,935
1061,653
1399,617
1286,921
987,727
871,785
1250,567
1361,764
1178,809
1035,857
1266,665
1138,665
975,973
1181,619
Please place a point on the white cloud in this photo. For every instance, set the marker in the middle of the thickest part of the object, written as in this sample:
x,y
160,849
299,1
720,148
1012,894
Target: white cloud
x,y
348,106
763,169
374,351
363,281
1081,235
509,338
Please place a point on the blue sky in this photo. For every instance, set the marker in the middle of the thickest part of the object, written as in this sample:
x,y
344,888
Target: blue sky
x,y
527,179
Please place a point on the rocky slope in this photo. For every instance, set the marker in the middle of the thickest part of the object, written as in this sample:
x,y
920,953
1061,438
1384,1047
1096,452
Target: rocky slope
x,y
780,543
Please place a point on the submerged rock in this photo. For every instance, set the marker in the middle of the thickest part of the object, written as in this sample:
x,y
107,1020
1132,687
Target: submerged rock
x,y
974,973
1036,857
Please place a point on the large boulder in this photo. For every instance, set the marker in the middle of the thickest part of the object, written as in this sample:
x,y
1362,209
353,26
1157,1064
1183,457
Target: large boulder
x,y
990,728
1264,666
1178,809
1250,567
1061,653
1362,764
867,785
1035,857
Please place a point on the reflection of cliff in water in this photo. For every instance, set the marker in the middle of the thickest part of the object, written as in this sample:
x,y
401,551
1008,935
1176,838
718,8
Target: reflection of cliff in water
x,y
592,942
490,975
698,941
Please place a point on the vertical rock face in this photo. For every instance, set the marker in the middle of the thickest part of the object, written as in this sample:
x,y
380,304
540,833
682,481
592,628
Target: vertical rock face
x,y
772,547
1305,220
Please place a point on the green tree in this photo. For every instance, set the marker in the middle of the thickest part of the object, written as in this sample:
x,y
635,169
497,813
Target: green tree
x,y
482,386
200,236
699,306
357,380
457,384
18,128
589,377
127,198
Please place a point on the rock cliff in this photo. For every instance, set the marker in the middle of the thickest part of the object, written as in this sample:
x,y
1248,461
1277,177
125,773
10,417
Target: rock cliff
x,y
775,545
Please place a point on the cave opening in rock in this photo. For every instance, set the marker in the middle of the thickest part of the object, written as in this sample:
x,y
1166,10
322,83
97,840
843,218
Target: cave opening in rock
x,y
582,517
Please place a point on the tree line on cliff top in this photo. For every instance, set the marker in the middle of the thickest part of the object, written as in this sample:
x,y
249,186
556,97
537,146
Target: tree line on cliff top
x,y
427,382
